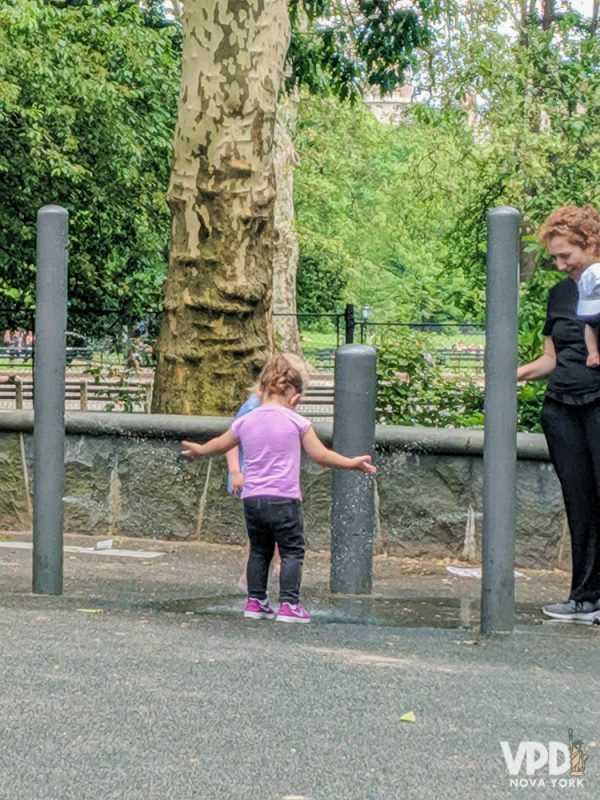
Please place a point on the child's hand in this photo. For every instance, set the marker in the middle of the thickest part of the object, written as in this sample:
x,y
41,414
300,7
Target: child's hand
x,y
363,464
593,360
191,450
237,482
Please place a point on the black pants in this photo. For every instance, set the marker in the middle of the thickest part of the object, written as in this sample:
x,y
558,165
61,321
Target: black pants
x,y
270,521
573,436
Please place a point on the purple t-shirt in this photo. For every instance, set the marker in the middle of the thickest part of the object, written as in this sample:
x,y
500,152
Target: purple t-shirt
x,y
271,438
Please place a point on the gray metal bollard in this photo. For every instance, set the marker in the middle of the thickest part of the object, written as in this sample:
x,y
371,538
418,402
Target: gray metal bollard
x,y
500,441
353,506
49,399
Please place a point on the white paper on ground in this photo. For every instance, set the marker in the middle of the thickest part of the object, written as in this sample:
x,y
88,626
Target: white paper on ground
x,y
91,550
104,544
474,572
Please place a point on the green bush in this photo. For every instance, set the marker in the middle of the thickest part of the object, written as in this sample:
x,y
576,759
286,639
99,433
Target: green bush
x,y
413,390
320,285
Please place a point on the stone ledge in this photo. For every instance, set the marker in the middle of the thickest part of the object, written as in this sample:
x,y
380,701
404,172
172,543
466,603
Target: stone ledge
x,y
123,475
459,441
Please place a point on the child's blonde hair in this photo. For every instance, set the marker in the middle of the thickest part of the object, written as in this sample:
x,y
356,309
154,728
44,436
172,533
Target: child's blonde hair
x,y
282,372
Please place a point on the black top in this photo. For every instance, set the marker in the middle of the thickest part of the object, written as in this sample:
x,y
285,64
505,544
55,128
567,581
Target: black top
x,y
571,382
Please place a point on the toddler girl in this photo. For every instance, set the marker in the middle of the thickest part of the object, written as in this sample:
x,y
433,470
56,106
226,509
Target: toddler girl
x,y
273,436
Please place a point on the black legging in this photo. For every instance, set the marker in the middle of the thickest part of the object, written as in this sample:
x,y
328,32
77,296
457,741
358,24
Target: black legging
x,y
573,436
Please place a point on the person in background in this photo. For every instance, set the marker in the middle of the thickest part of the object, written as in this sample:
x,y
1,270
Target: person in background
x,y
571,411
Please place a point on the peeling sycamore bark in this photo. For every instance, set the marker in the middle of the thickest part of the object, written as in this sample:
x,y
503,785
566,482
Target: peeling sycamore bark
x,y
285,258
216,328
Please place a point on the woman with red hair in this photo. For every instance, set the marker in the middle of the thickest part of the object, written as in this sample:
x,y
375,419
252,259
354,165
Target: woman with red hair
x,y
571,411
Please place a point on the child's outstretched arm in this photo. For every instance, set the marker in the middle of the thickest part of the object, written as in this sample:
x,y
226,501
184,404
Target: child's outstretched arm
x,y
217,446
315,449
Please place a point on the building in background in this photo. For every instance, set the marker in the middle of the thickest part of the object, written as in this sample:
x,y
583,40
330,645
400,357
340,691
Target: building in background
x,y
391,108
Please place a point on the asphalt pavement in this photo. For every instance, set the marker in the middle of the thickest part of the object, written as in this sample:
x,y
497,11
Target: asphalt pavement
x,y
143,680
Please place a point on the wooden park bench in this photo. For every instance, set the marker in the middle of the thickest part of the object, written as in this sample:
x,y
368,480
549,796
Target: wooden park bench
x,y
12,353
132,395
325,357
447,357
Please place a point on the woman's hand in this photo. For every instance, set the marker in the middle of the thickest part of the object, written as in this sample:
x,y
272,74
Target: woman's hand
x,y
542,366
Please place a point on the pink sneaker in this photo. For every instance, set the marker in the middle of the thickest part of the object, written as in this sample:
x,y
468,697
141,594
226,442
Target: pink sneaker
x,y
292,613
257,609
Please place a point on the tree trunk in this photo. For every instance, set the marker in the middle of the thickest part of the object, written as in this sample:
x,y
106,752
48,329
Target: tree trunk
x,y
527,258
523,37
216,328
548,15
285,260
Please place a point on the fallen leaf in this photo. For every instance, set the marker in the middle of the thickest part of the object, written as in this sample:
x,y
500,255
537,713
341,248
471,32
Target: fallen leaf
x,y
408,717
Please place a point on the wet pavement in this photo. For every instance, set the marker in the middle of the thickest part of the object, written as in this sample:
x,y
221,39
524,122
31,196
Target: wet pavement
x,y
200,578
422,612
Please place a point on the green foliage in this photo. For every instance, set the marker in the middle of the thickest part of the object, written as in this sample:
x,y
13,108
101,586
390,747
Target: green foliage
x,y
530,400
88,98
532,312
537,104
343,48
125,397
371,194
320,284
413,390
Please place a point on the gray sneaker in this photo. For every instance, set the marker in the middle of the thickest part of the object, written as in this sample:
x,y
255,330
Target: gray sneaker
x,y
572,609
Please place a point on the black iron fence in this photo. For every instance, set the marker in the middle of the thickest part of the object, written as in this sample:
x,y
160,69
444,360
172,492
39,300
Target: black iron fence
x,y
99,334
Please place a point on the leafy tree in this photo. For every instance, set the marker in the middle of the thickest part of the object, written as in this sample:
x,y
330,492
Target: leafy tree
x,y
381,198
344,46
321,283
534,101
87,102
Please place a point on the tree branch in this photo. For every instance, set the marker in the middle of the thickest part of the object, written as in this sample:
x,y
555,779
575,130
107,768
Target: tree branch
x,y
177,9
548,15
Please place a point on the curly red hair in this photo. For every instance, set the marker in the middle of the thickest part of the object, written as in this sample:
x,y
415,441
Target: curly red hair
x,y
580,225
